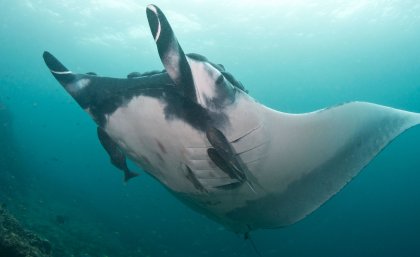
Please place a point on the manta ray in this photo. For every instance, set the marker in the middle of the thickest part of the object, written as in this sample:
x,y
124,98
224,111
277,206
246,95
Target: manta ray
x,y
195,129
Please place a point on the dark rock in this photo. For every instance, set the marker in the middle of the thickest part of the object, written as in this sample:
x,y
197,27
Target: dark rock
x,y
15,241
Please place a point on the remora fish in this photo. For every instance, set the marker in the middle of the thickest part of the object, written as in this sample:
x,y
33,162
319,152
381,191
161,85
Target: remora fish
x,y
195,129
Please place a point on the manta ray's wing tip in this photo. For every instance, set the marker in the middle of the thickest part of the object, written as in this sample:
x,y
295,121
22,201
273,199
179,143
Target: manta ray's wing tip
x,y
154,16
151,7
46,54
59,71
48,58
53,63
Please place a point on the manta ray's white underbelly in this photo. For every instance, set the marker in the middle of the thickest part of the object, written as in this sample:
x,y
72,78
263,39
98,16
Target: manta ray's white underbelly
x,y
156,144
165,147
169,149
295,162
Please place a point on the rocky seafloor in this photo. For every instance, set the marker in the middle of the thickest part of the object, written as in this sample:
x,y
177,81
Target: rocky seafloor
x,y
37,220
15,241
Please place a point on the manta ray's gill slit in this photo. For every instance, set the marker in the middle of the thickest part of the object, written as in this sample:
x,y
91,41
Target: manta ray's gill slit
x,y
161,146
259,126
217,178
253,148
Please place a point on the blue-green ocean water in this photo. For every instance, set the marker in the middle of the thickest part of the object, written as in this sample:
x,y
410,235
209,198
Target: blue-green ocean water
x,y
294,56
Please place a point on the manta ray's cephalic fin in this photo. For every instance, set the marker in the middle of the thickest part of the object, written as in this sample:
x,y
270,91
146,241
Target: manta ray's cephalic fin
x,y
117,157
171,54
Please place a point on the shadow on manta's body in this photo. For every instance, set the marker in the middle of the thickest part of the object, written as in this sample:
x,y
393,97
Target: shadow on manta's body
x,y
196,130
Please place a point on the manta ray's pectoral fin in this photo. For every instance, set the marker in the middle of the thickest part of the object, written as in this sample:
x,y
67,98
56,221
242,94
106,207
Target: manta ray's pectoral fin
x,y
225,157
118,158
74,83
171,54
58,70
312,156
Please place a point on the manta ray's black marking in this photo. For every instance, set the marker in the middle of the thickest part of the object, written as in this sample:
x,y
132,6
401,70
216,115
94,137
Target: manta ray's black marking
x,y
104,95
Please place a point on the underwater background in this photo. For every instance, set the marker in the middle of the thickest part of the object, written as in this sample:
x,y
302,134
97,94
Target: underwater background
x,y
293,56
